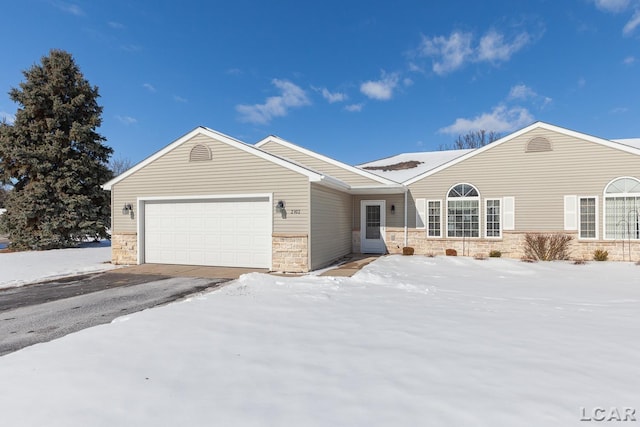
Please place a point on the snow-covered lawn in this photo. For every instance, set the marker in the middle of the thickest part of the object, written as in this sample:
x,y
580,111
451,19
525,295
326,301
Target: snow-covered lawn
x,y
21,268
407,341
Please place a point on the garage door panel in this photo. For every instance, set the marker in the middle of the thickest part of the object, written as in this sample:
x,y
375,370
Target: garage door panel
x,y
209,232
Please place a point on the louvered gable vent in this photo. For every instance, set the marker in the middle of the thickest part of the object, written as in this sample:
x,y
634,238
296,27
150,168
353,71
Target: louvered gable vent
x,y
200,153
538,144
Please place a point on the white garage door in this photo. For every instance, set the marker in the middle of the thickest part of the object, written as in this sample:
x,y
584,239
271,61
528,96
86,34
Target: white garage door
x,y
222,232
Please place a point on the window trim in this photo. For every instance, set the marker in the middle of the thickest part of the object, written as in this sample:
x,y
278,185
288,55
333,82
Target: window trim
x,y
614,196
579,215
477,198
427,216
486,218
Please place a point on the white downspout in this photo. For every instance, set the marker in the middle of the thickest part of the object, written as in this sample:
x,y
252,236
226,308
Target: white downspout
x,y
406,229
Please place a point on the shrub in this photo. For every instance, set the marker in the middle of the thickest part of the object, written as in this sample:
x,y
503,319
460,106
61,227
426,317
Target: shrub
x,y
600,255
431,255
579,261
451,252
407,250
480,257
525,259
495,254
547,247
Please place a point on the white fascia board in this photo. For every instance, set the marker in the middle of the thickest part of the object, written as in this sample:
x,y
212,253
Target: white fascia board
x,y
536,125
218,137
386,189
278,140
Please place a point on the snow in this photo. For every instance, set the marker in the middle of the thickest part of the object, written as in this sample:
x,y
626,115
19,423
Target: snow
x,y
632,142
21,268
407,341
429,160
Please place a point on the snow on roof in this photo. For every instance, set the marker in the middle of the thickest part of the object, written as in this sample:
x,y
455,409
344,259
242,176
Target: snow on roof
x,y
427,160
632,142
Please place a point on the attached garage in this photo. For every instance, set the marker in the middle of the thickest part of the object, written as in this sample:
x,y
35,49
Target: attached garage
x,y
218,231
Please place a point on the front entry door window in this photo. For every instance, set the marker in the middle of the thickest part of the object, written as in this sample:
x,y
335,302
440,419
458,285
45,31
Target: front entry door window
x,y
373,222
372,226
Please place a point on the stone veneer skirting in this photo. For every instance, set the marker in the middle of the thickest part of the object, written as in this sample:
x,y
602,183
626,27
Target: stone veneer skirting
x,y
124,248
290,253
511,245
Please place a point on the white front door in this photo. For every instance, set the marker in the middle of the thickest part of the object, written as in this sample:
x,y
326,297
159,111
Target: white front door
x,y
372,220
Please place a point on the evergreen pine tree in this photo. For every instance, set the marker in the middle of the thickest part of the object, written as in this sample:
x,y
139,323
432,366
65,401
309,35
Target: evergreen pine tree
x,y
55,159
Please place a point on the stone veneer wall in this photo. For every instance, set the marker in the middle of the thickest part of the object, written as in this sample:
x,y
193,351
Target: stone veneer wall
x,y
512,246
124,248
290,253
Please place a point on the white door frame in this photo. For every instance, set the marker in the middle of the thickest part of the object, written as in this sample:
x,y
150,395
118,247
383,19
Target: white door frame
x,y
377,246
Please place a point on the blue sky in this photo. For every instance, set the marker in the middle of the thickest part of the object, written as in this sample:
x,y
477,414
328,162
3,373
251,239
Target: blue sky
x,y
354,80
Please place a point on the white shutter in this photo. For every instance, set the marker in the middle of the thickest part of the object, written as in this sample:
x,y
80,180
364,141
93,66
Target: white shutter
x,y
420,213
570,212
509,213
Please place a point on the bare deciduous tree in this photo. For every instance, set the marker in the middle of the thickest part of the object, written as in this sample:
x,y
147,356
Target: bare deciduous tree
x,y
473,139
120,165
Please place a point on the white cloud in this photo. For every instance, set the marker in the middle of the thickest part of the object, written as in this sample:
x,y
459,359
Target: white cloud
x,y
380,89
493,48
115,25
180,99
354,108
611,5
500,119
127,120
333,96
234,71
619,110
629,60
521,91
449,53
131,48
149,87
9,118
291,96
407,82
453,52
633,23
71,8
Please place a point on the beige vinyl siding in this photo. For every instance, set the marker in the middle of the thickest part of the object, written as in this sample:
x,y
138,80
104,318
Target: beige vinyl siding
x,y
392,219
230,171
330,225
538,180
318,165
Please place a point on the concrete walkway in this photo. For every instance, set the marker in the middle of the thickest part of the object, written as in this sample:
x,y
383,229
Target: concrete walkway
x,y
350,265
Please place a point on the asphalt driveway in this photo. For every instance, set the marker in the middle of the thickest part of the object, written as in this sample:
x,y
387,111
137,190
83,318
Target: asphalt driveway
x,y
45,311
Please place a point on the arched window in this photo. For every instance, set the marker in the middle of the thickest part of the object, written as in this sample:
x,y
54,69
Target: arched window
x,y
622,209
199,153
463,211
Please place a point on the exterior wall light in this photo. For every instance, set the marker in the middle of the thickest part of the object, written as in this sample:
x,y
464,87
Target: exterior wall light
x,y
393,209
127,209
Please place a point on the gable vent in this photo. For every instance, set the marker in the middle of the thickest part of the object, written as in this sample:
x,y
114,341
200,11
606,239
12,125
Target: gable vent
x,y
200,153
538,145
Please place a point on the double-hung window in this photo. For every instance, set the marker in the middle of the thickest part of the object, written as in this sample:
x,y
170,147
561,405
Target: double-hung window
x,y
587,220
434,218
493,218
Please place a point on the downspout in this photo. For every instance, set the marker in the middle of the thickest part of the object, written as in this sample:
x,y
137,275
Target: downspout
x,y
406,229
